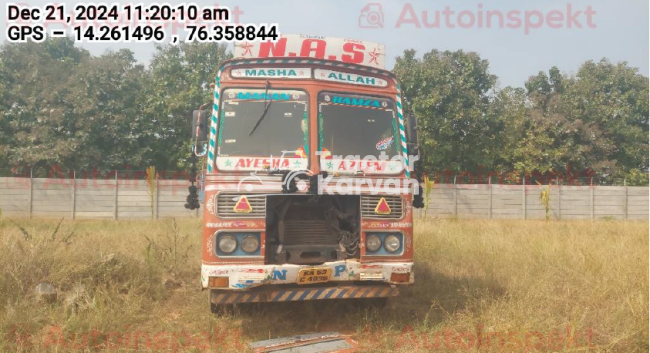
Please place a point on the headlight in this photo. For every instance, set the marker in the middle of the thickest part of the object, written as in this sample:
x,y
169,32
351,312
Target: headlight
x,y
373,243
250,244
392,243
227,244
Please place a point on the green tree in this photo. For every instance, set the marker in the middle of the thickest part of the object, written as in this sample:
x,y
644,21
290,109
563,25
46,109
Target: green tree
x,y
110,130
177,83
450,92
613,97
597,119
37,121
71,110
5,136
62,107
552,139
509,110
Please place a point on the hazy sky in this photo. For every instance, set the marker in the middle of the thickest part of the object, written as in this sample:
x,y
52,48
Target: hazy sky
x,y
617,30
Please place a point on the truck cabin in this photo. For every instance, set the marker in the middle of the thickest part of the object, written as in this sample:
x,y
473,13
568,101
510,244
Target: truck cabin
x,y
280,135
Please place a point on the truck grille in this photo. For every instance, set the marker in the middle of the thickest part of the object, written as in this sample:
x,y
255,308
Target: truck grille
x,y
369,203
226,202
308,232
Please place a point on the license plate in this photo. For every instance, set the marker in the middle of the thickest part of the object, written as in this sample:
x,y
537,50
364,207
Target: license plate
x,y
314,275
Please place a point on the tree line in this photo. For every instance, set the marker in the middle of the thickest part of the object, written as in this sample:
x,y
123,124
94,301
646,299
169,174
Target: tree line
x,y
61,106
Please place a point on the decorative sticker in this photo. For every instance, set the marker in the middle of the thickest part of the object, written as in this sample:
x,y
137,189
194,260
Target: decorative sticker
x,y
384,143
382,207
396,131
235,224
220,127
320,130
256,163
325,154
269,96
257,72
340,49
351,166
356,101
345,77
210,204
208,246
304,125
242,205
300,152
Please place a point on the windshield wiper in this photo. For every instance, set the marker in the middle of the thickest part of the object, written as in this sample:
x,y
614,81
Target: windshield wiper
x,y
266,108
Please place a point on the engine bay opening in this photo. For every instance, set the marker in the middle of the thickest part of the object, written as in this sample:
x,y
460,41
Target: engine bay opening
x,y
312,229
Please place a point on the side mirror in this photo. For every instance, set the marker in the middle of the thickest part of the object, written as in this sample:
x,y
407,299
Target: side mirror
x,y
414,150
200,125
412,135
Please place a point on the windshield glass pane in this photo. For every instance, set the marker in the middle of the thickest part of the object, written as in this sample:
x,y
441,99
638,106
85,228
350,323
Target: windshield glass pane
x,y
283,128
351,125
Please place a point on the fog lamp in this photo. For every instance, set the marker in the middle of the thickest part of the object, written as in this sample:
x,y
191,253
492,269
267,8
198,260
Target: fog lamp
x,y
373,243
227,244
250,244
392,243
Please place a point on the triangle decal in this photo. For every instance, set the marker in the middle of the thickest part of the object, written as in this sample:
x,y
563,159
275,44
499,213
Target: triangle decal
x,y
382,207
242,205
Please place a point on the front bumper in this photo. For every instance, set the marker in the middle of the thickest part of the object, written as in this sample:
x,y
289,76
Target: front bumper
x,y
250,276
299,293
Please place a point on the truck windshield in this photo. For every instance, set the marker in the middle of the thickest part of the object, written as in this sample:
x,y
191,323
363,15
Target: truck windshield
x,y
283,128
351,125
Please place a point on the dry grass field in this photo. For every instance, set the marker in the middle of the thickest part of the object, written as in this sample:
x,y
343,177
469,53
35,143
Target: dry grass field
x,y
480,286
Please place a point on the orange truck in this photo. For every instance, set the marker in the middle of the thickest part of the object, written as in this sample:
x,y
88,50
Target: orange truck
x,y
310,179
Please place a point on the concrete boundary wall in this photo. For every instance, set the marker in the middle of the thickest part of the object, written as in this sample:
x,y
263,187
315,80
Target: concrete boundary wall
x,y
523,202
93,198
130,198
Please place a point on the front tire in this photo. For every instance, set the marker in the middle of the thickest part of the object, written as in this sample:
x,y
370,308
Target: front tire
x,y
223,309
379,303
214,308
373,303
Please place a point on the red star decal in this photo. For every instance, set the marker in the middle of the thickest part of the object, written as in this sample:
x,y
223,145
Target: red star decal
x,y
247,49
374,56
